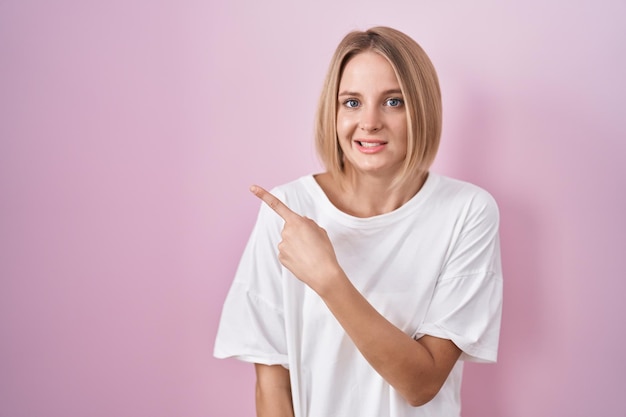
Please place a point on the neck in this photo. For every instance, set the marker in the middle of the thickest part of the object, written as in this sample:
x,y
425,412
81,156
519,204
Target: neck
x,y
368,195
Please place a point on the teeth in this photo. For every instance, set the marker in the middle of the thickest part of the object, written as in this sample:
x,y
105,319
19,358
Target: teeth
x,y
370,144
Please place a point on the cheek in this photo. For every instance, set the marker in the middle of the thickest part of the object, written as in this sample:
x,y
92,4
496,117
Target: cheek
x,y
401,128
345,126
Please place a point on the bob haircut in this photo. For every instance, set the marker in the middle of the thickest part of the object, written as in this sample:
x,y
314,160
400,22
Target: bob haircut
x,y
420,87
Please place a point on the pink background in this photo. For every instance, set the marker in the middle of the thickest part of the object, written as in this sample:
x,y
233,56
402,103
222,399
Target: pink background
x,y
130,131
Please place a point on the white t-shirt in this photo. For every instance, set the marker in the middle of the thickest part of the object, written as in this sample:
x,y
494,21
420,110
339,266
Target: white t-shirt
x,y
430,267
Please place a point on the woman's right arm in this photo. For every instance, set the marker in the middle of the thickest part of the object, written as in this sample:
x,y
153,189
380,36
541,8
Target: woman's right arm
x,y
273,391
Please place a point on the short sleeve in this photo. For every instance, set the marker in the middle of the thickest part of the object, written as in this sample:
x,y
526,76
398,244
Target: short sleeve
x,y
252,326
466,306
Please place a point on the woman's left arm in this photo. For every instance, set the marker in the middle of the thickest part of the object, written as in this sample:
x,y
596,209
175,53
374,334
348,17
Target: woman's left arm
x,y
415,368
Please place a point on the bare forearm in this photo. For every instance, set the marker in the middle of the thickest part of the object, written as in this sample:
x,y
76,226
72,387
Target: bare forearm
x,y
407,365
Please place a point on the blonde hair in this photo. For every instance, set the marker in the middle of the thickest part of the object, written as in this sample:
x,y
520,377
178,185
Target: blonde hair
x,y
420,87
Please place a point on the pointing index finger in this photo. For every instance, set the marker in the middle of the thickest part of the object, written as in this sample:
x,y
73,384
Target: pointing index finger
x,y
273,202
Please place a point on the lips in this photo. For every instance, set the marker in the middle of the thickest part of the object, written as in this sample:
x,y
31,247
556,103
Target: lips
x,y
370,145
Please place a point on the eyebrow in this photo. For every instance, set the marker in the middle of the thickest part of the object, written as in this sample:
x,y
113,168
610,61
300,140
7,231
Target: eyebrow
x,y
384,93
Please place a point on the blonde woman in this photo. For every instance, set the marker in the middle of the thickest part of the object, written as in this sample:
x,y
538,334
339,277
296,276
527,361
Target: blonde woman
x,y
364,288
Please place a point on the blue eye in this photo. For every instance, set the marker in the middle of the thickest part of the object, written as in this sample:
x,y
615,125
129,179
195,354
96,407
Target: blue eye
x,y
351,103
394,102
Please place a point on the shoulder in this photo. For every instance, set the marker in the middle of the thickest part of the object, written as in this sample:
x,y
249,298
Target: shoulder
x,y
299,194
268,222
465,197
296,188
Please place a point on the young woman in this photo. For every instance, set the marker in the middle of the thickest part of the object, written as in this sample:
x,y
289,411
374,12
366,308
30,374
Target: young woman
x,y
364,288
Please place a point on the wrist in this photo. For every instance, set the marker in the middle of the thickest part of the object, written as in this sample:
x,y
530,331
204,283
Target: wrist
x,y
333,279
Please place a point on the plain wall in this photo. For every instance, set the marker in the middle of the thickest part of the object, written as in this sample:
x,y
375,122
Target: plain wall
x,y
131,130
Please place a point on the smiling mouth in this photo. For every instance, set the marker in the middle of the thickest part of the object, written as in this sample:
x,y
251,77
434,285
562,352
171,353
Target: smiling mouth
x,y
369,144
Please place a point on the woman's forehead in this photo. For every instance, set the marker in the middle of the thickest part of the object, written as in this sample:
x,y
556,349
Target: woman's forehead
x,y
368,70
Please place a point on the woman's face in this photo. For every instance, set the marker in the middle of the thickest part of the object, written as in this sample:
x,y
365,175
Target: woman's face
x,y
371,117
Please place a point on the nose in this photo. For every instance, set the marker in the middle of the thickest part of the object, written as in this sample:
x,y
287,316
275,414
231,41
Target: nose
x,y
370,120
